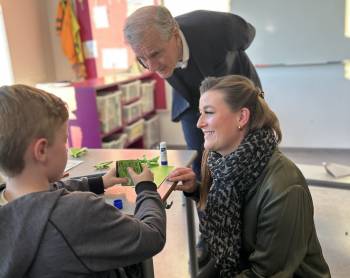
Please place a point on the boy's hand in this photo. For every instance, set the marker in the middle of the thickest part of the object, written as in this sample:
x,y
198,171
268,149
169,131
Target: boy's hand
x,y
110,179
186,176
145,175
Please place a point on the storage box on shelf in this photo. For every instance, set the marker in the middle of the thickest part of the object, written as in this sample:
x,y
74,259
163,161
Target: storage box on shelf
x,y
109,109
130,91
99,101
147,96
132,111
116,141
151,134
134,131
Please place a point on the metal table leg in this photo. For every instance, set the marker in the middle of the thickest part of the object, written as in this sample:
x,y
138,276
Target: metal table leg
x,y
147,268
191,232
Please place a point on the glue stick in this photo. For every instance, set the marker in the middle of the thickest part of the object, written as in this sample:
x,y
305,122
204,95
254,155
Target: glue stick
x,y
163,153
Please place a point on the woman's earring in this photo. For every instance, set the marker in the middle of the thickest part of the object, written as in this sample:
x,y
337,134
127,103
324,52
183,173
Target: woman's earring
x,y
239,127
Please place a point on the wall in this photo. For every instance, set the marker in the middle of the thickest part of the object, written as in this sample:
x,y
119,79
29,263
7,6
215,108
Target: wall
x,y
28,39
178,7
312,104
6,74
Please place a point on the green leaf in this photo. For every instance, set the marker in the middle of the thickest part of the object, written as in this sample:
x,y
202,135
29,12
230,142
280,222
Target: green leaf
x,y
77,152
103,165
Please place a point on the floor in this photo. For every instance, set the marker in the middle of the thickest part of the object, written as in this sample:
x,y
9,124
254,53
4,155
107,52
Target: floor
x,y
332,220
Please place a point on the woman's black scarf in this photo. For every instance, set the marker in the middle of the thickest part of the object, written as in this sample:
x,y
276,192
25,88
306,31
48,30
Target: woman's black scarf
x,y
233,175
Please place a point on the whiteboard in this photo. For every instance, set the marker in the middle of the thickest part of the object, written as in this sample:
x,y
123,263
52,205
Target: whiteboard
x,y
297,31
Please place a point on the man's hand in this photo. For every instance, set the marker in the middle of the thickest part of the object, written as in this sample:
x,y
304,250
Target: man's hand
x,y
186,176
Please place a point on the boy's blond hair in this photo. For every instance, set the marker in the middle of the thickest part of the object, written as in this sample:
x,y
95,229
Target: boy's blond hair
x,y
26,113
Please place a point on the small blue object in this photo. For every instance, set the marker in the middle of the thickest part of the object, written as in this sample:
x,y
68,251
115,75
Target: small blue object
x,y
118,203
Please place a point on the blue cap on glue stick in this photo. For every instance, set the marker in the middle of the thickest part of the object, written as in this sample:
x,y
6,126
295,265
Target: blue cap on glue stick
x,y
118,203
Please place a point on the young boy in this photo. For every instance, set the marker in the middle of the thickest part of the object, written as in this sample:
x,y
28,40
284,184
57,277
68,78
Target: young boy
x,y
46,229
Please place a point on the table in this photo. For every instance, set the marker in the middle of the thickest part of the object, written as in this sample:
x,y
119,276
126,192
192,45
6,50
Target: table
x,y
176,158
317,175
331,199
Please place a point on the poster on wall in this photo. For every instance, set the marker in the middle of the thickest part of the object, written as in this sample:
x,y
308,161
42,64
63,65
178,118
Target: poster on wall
x,y
100,15
90,49
133,5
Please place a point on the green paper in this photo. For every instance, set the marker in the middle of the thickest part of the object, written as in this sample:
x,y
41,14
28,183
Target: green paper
x,y
161,173
77,152
122,168
103,165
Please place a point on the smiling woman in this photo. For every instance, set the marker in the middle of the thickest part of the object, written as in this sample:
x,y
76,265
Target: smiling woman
x,y
6,76
258,211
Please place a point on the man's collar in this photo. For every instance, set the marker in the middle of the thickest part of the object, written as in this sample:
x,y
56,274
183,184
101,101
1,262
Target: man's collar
x,y
185,52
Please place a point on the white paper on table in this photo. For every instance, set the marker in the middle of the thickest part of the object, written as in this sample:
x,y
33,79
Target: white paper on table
x,y
115,58
71,164
337,170
100,16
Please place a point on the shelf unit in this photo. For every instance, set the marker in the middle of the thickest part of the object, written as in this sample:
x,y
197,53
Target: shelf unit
x,y
84,128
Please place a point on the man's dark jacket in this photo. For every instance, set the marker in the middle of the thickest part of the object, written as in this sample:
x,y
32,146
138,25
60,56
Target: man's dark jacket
x,y
217,42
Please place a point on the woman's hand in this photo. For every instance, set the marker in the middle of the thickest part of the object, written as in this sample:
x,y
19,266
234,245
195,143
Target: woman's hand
x,y
145,175
186,176
110,178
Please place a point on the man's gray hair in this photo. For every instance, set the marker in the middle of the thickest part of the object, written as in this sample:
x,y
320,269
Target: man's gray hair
x,y
144,19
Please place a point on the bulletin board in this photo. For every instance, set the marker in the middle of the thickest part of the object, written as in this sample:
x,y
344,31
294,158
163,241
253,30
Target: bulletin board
x,y
101,23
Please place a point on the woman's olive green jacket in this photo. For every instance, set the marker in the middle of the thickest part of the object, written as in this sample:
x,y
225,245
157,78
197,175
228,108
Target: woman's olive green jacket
x,y
279,236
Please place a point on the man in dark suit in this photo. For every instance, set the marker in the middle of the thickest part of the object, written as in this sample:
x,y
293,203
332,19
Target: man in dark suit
x,y
186,49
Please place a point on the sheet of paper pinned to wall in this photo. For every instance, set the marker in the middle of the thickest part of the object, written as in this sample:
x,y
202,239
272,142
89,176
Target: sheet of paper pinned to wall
x,y
100,15
115,58
90,49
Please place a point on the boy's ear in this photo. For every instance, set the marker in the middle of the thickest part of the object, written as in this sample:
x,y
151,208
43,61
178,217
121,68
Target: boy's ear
x,y
244,117
40,149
